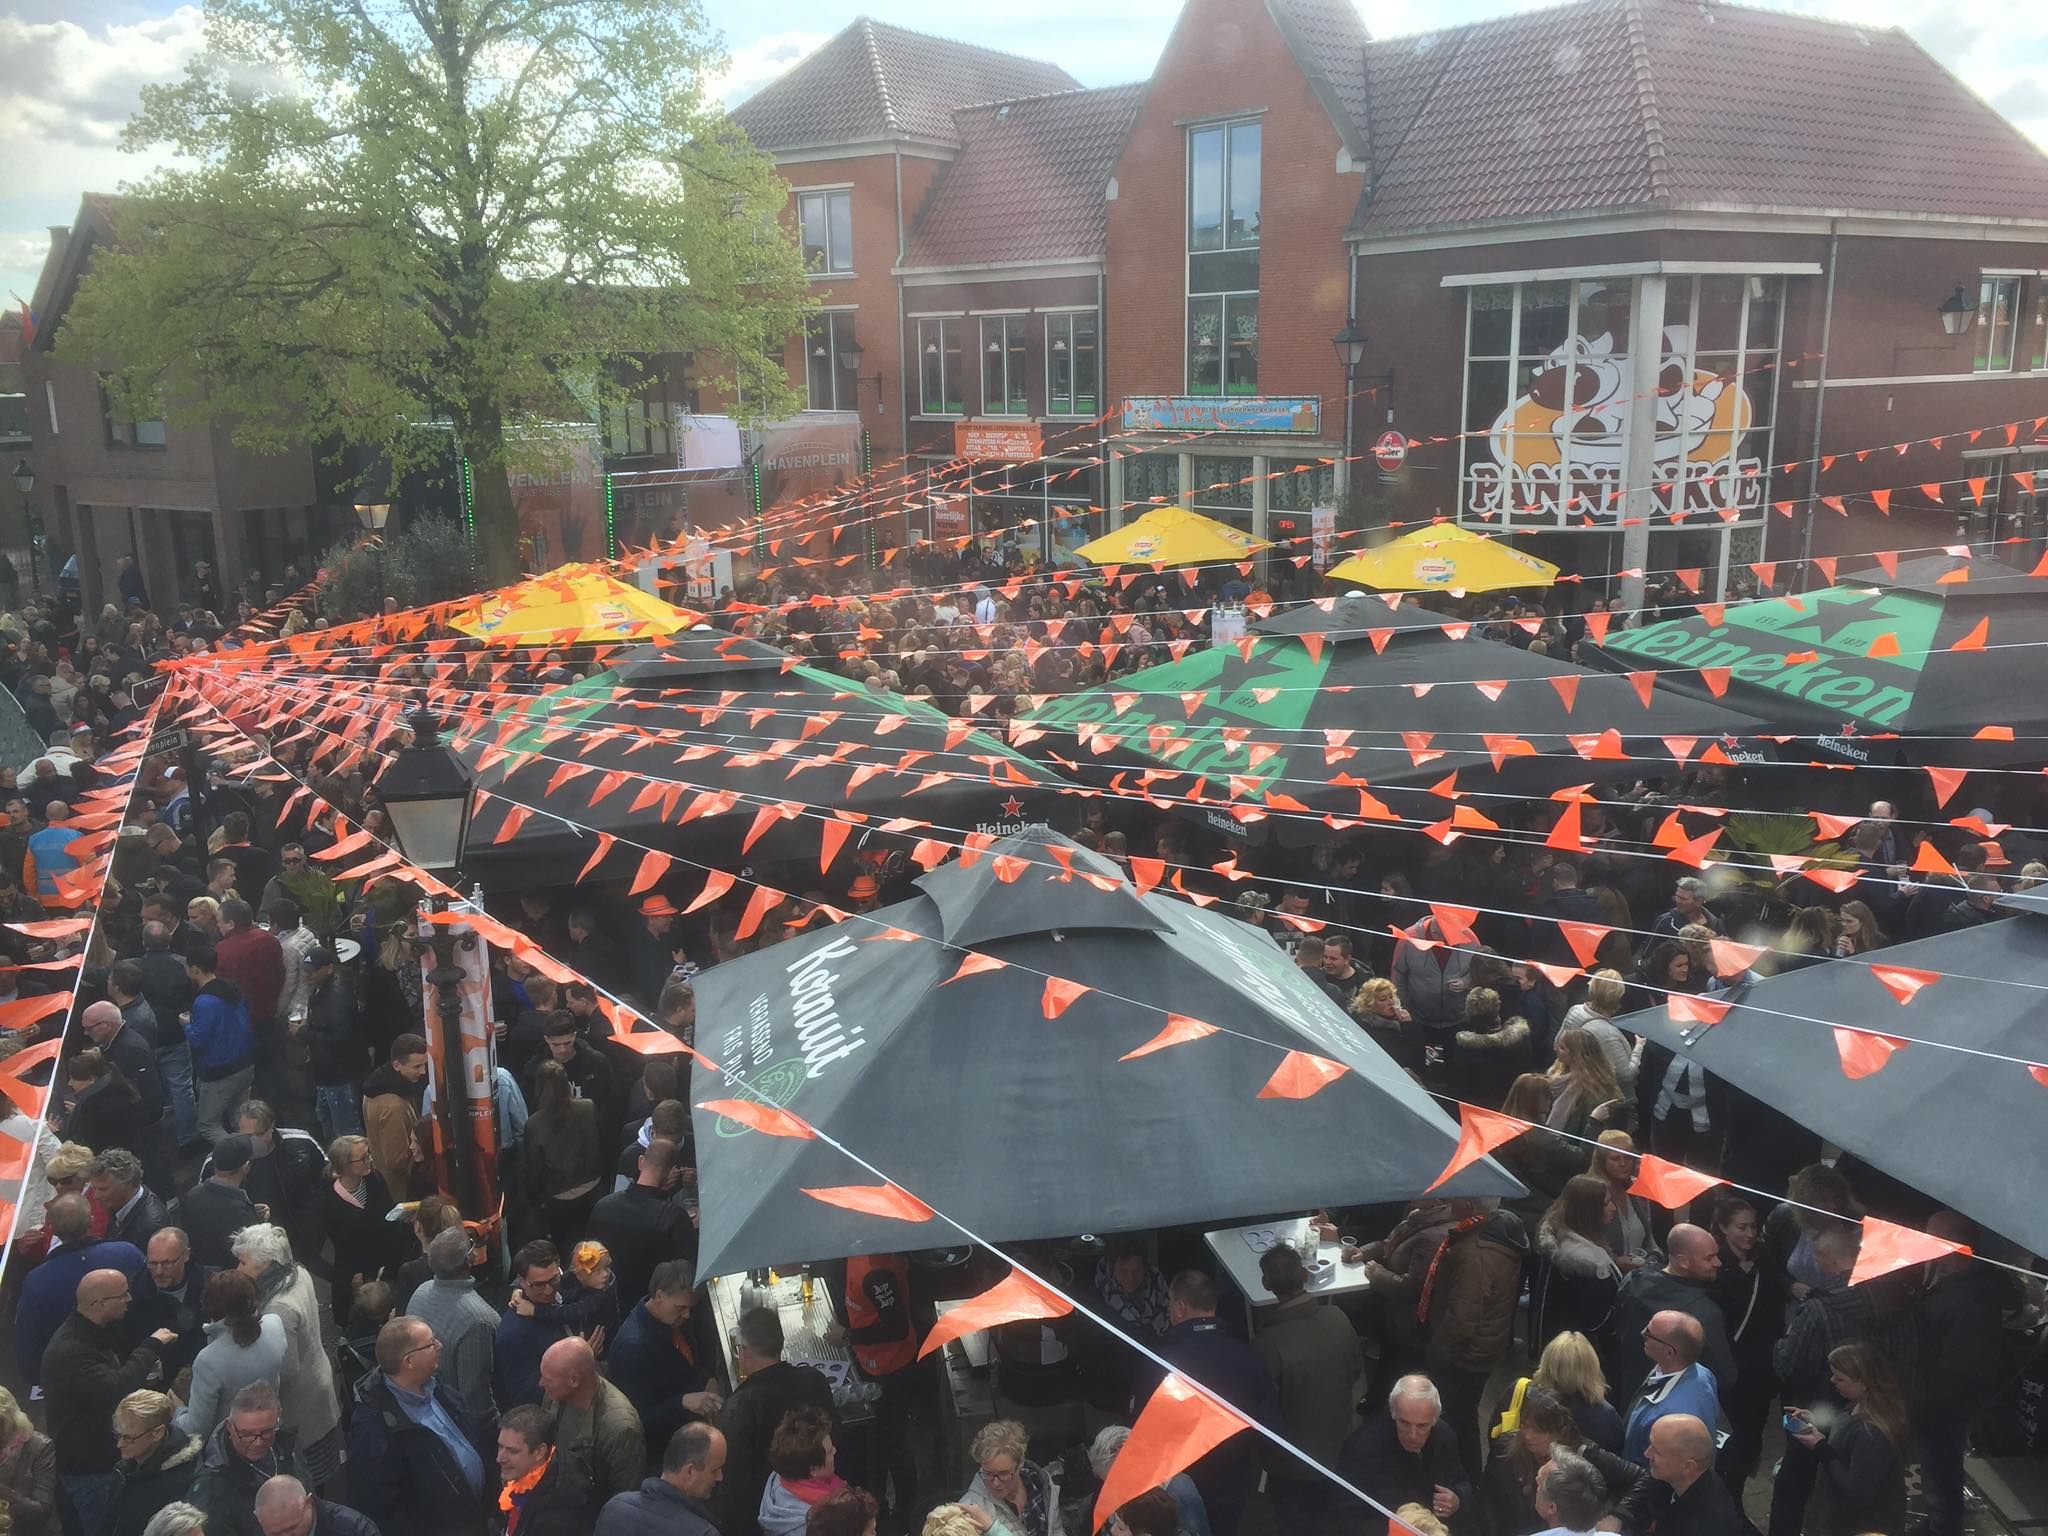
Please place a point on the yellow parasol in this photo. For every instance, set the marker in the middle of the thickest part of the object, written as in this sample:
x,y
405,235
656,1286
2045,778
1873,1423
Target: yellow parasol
x,y
570,605
1170,536
1444,559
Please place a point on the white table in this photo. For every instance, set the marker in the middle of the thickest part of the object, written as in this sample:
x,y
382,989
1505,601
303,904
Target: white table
x,y
1240,1260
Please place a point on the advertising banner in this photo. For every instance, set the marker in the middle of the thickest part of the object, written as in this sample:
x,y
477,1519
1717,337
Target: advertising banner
x,y
1292,414
1015,442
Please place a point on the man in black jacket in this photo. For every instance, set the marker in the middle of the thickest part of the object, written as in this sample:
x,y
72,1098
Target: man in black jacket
x,y
675,1503
250,1446
1963,1305
654,1358
180,1283
285,1508
339,1050
543,1493
1411,1455
418,1465
134,1213
1197,1345
1681,1457
641,1225
590,1075
86,1372
125,1047
772,1388
218,1207
1684,1284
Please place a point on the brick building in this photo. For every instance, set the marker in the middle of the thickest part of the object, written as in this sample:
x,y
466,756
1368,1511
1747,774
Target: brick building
x,y
109,486
1836,245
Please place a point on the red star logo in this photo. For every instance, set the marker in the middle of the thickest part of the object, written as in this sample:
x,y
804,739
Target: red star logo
x,y
1013,807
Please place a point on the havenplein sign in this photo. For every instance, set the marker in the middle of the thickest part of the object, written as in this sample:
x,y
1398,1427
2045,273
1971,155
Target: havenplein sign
x,y
1757,643
1273,690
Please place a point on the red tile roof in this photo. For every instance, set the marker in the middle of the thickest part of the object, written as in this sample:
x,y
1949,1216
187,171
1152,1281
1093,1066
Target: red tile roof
x,y
1613,104
1029,181
1328,40
875,82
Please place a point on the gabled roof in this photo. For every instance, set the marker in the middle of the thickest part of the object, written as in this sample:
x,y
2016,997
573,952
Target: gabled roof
x,y
874,82
1029,182
69,255
1611,104
1328,40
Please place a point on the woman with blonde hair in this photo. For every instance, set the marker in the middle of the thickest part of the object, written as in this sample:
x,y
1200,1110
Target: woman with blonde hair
x,y
1632,1238
1587,1098
157,1461
1020,1497
28,1471
1606,994
1569,1369
956,1520
1377,1006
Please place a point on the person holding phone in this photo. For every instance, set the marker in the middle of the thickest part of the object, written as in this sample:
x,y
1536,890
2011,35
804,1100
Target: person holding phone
x,y
1862,1476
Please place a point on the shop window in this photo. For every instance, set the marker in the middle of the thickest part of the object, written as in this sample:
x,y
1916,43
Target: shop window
x,y
826,222
1072,366
827,386
1150,480
1004,366
942,372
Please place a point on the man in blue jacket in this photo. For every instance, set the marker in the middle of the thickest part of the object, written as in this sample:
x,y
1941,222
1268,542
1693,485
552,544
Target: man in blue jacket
x,y
50,1293
1677,1383
418,1465
1200,1348
223,1045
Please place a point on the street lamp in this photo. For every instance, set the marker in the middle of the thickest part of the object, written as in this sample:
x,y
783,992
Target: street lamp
x,y
373,515
1957,310
428,793
1350,347
850,353
25,482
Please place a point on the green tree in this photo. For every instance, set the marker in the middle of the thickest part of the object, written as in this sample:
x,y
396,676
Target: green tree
x,y
394,218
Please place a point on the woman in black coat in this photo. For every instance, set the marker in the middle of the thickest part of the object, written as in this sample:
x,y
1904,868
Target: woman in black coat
x,y
156,1465
1750,1290
350,1214
1509,1489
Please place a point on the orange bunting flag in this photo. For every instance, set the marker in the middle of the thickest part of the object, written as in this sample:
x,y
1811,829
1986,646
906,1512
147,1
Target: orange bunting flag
x,y
1017,1298
1559,976
1864,1051
1903,982
975,964
893,936
1836,880
1585,939
23,1012
888,1200
1146,873
1567,686
605,843
1455,922
1301,1075
1179,1030
1180,1425
1479,1132
716,884
764,900
832,835
1946,782
1643,683
1731,958
1930,860
1685,1008
1888,1246
1669,1185
27,1095
1060,995
765,1118
1831,827
344,848
652,868
1566,835
1974,640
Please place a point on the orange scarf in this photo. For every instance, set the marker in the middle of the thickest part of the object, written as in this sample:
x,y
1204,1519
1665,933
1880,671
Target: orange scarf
x,y
1458,1230
514,1493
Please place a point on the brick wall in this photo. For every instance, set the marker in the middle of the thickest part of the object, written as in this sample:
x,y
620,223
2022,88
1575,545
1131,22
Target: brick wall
x,y
1227,56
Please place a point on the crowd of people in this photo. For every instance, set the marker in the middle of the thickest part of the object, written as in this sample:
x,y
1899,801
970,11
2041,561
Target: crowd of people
x,y
244,1304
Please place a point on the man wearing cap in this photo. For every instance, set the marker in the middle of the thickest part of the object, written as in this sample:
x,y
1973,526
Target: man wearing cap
x,y
656,949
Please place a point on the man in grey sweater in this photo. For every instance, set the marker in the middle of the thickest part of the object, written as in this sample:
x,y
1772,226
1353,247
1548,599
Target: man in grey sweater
x,y
462,1320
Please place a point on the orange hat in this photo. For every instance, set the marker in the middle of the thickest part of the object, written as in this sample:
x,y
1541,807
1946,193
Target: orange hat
x,y
657,905
587,1257
864,888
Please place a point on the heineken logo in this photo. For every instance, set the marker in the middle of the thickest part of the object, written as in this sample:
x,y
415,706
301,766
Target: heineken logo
x,y
1813,648
1275,690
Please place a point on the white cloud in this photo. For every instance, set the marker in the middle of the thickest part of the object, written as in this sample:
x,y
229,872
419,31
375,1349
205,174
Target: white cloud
x,y
754,64
68,91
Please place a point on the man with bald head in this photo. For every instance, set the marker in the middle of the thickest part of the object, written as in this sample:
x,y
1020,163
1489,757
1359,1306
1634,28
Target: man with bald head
x,y
1681,1458
124,1045
285,1508
86,1371
596,1425
1684,1284
418,1463
1678,1383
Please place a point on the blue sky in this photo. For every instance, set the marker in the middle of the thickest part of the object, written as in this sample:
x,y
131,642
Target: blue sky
x,y
74,68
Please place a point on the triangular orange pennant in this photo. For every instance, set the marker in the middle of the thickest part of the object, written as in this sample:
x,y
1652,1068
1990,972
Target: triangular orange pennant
x,y
1180,1425
1669,1185
1567,686
832,835
1888,1246
652,868
1060,995
1566,836
1931,861
1974,640
1179,1030
1685,1008
1017,1298
1585,939
765,1118
764,899
1864,1051
1301,1075
1146,873
716,884
1903,982
1731,958
876,1200
1479,1132
974,964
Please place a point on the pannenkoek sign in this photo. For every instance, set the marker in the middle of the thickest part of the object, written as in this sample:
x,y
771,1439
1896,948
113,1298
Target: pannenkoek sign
x,y
1813,648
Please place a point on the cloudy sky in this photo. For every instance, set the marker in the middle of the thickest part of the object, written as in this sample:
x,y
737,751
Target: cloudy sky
x,y
73,69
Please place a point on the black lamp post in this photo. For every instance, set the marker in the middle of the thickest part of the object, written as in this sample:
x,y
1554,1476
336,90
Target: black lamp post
x,y
428,792
1350,347
1957,310
25,482
850,353
373,515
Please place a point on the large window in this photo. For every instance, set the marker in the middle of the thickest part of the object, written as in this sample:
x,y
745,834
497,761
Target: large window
x,y
1071,364
1548,399
1223,259
1150,480
826,221
1222,489
942,371
827,385
1998,324
636,427
123,430
1005,372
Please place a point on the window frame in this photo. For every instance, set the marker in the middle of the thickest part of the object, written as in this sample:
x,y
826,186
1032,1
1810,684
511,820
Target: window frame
x,y
830,320
1070,404
127,431
825,195
1224,299
1014,333
948,410
1989,285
